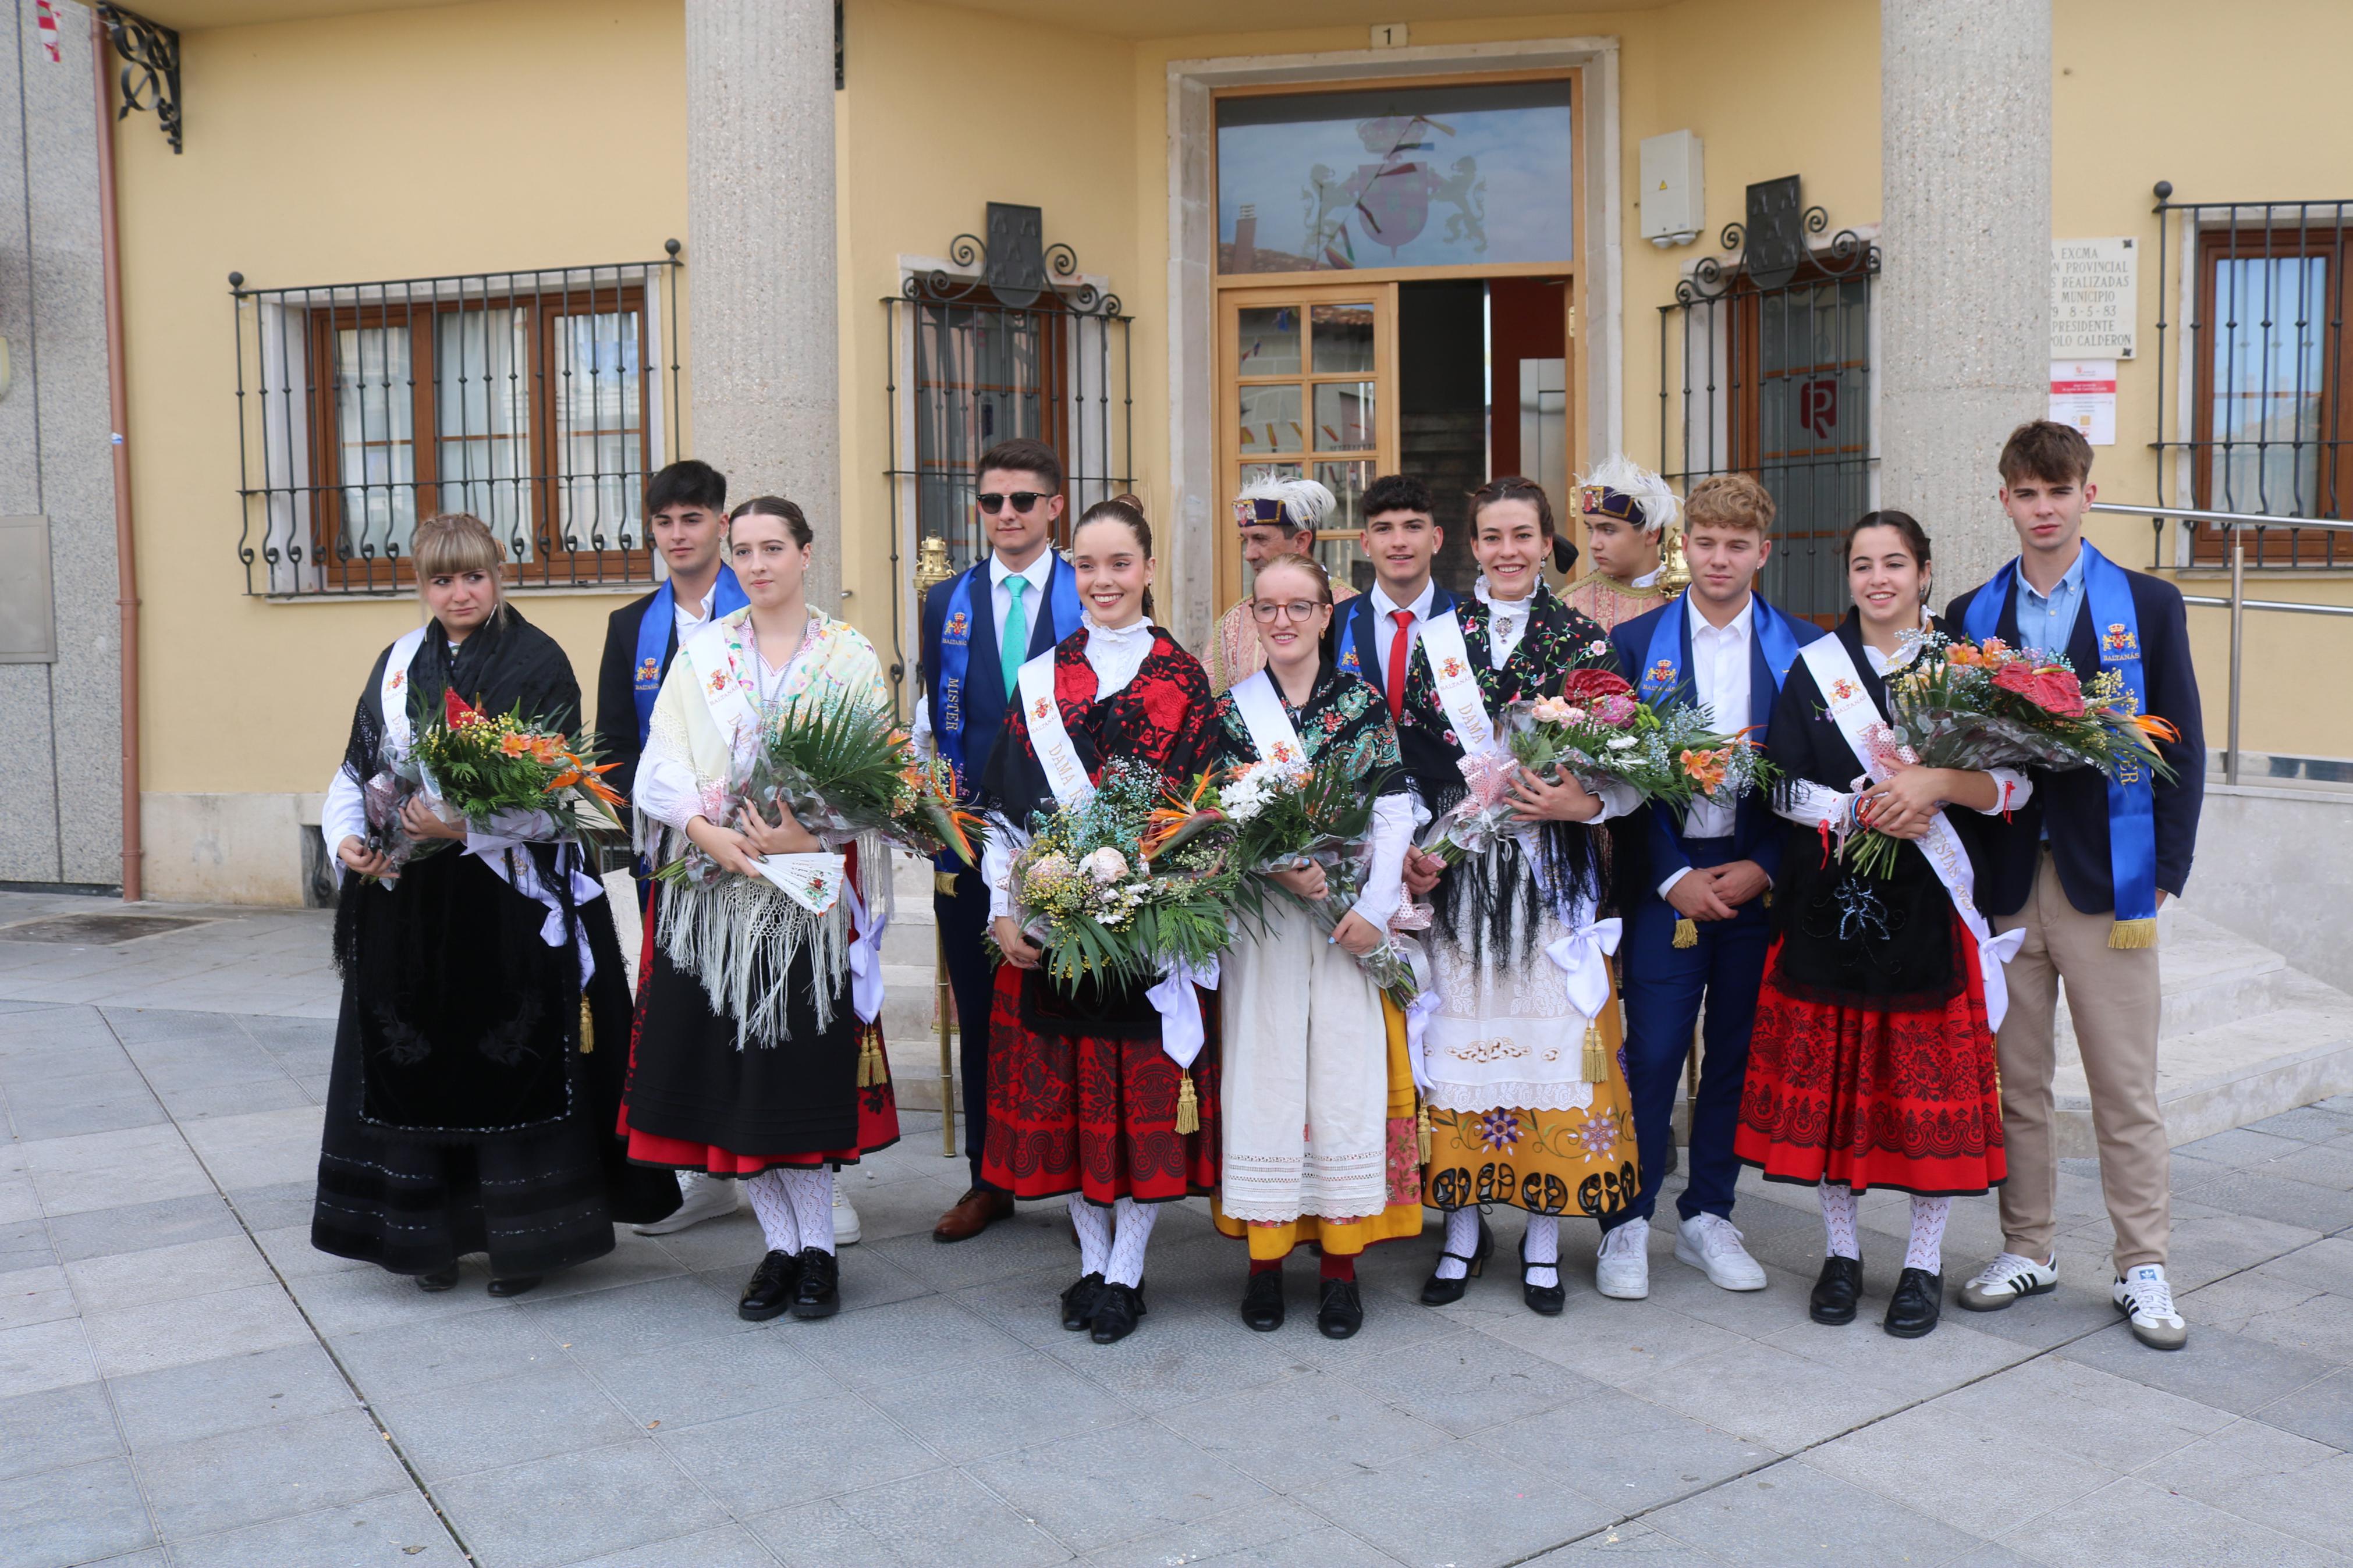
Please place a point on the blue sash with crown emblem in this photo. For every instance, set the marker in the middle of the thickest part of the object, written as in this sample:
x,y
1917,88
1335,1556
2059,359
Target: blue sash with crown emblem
x,y
653,638
1663,673
1062,608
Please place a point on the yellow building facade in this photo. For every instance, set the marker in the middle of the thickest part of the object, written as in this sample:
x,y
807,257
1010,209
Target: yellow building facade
x,y
337,144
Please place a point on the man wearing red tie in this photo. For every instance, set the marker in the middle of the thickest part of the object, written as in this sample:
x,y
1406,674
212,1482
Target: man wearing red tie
x,y
1373,635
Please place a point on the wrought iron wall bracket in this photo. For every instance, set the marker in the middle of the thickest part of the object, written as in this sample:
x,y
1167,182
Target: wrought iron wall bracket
x,y
151,67
1013,266
1847,254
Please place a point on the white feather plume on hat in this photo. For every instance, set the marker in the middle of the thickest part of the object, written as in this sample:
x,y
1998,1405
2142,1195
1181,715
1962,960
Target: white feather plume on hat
x,y
1622,473
1305,502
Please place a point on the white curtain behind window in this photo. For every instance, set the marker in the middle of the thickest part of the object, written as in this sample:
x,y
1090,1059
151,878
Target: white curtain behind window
x,y
600,430
482,403
375,431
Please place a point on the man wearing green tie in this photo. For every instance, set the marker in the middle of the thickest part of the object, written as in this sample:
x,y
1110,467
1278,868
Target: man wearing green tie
x,y
979,629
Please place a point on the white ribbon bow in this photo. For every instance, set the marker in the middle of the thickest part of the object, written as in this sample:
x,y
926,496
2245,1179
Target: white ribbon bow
x,y
865,955
1583,957
512,830
1991,956
1420,1010
1180,1010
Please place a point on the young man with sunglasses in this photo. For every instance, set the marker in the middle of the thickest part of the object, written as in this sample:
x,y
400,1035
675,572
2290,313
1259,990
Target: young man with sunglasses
x,y
979,629
1276,516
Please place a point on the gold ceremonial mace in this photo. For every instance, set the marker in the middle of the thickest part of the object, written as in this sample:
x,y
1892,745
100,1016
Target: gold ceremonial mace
x,y
931,569
1674,576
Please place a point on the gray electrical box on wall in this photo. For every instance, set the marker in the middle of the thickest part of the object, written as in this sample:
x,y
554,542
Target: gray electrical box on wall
x,y
28,620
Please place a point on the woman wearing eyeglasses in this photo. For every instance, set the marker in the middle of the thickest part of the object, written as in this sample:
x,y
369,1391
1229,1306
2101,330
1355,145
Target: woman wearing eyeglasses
x,y
1083,1092
1308,1040
1528,1105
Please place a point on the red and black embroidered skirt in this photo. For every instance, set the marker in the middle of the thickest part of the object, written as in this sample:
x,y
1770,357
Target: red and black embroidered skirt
x,y
1093,1113
1875,1098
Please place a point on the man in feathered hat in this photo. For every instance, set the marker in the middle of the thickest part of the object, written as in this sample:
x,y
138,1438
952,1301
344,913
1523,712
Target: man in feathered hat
x,y
1277,517
1626,509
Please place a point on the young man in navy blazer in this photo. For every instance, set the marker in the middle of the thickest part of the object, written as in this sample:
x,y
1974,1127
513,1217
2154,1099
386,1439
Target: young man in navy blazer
x,y
686,518
2083,866
1697,929
979,629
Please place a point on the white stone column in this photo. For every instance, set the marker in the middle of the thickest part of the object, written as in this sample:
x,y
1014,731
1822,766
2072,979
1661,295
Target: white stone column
x,y
1965,290
763,316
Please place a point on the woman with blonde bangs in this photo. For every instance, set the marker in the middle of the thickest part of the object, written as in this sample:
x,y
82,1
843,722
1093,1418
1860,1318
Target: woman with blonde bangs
x,y
1309,1040
470,1108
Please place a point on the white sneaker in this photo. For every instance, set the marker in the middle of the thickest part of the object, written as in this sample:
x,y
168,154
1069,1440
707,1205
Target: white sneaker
x,y
2008,1279
2147,1301
845,1217
703,1198
1708,1242
1623,1269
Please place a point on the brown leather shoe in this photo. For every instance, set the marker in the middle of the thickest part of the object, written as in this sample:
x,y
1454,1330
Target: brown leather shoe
x,y
979,1208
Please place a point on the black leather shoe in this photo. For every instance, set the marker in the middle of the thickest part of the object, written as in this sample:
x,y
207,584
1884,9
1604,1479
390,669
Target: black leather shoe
x,y
1263,1301
1918,1301
439,1279
1342,1312
1079,1302
1116,1311
1836,1290
819,1292
770,1290
516,1284
1438,1292
1547,1300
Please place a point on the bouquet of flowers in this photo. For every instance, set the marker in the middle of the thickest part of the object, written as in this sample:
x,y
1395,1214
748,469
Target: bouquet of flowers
x,y
1114,891
492,769
1287,815
1959,704
843,769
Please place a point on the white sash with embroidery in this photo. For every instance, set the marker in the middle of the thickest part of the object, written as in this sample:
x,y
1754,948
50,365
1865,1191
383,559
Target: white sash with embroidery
x,y
1458,684
1860,723
1271,729
1065,775
399,735
811,879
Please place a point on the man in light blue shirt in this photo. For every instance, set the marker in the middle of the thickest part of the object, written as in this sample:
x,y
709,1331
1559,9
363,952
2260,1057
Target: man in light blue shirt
x,y
2046,621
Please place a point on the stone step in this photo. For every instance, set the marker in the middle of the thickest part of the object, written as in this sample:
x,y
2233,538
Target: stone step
x,y
2210,977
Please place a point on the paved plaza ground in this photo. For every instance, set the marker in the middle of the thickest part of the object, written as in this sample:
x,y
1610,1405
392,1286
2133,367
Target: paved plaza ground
x,y
183,1381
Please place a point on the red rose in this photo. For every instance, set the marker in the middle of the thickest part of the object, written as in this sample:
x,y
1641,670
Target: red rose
x,y
2055,691
1586,687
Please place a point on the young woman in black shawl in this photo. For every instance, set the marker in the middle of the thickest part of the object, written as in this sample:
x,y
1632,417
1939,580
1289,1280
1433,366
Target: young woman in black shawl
x,y
1871,1064
1082,1098
473,1102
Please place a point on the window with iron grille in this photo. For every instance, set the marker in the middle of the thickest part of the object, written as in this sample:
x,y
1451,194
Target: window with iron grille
x,y
538,401
2268,422
1764,369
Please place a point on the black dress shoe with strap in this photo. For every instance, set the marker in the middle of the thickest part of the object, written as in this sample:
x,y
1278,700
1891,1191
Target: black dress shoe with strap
x,y
1116,1311
1545,1299
770,1289
515,1284
1342,1312
1918,1301
1438,1292
439,1279
1079,1302
1263,1301
1836,1291
819,1293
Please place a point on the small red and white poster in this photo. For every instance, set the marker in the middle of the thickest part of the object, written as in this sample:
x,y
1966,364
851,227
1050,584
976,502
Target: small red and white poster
x,y
2083,394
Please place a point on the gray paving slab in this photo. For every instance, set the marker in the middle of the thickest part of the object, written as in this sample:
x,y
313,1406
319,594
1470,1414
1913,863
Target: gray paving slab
x,y
547,1410
576,1506
41,1356
1098,1490
943,1516
81,1514
2259,1473
1796,1514
242,1477
1624,1453
967,1412
709,1379
395,1530
140,1227
230,1394
2229,1371
173,1332
1495,1511
2163,1526
55,1427
838,1442
731,1547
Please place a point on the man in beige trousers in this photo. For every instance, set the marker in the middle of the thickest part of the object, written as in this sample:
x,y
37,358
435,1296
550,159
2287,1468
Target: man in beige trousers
x,y
2083,866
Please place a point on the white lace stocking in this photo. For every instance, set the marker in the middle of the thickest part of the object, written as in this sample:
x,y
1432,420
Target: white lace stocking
x,y
1927,1248
1462,1240
811,1192
774,1211
1838,1220
1093,1223
1543,1249
1132,1231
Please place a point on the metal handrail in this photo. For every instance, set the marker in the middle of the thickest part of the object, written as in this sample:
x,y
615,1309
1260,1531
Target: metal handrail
x,y
2239,523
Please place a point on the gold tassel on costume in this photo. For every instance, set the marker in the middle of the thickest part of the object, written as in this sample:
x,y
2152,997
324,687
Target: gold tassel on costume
x,y
1597,1059
1188,1108
2133,933
870,1060
1422,1129
1686,933
587,1027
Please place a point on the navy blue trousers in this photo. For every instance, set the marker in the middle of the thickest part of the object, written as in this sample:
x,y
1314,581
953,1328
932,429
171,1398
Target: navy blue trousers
x,y
1664,986
963,921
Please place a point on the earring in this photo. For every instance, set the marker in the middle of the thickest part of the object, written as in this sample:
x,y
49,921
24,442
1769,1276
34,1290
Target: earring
x,y
1924,593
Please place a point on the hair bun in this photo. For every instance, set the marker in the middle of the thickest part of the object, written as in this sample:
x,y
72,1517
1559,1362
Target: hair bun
x,y
1129,499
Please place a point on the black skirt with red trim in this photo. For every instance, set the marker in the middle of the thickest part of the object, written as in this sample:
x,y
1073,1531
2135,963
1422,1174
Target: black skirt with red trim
x,y
1874,1096
1093,1113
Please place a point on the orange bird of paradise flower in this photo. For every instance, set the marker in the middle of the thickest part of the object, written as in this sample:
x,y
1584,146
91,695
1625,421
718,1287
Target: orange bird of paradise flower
x,y
1184,817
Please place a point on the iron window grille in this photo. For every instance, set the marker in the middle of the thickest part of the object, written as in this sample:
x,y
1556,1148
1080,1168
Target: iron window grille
x,y
1764,369
2261,368
536,400
1007,340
